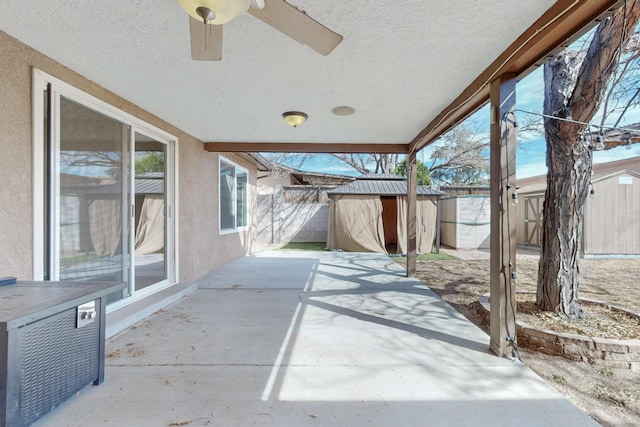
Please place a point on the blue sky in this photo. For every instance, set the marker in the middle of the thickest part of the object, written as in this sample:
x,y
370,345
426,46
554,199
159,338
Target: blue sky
x,y
529,97
529,162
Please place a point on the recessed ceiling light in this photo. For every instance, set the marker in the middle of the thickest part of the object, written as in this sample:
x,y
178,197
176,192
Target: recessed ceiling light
x,y
343,110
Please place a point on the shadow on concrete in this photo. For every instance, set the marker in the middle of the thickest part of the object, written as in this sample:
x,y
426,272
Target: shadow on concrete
x,y
291,338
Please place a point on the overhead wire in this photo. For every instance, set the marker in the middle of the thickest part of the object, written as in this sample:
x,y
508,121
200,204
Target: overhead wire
x,y
511,276
600,127
516,51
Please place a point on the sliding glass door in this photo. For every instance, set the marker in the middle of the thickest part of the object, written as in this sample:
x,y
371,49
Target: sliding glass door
x,y
91,226
107,196
150,228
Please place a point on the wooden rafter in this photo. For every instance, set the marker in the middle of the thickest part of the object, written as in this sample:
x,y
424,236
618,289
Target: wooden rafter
x,y
551,32
289,147
555,29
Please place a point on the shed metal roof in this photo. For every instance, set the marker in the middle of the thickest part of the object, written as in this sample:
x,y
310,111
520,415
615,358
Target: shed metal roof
x,y
621,172
382,187
379,176
143,186
149,186
150,175
538,183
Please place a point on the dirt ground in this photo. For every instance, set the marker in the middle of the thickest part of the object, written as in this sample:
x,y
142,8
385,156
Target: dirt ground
x,y
610,396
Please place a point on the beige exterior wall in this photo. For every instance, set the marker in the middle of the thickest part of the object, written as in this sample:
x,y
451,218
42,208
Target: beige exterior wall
x,y
201,248
273,183
612,216
465,222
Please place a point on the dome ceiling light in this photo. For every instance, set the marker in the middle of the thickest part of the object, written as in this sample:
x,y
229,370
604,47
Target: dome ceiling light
x,y
295,118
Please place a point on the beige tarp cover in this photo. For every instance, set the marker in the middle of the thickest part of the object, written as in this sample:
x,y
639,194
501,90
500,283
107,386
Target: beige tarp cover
x,y
357,224
426,212
104,225
150,230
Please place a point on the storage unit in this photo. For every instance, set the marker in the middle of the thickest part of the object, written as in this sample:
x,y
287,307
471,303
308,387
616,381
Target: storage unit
x,y
51,345
611,224
370,215
466,222
612,216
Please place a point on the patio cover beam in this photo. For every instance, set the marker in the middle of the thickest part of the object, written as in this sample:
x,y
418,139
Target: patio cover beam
x,y
412,202
562,23
304,147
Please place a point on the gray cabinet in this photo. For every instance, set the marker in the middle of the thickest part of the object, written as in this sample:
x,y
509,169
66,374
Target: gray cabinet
x,y
51,345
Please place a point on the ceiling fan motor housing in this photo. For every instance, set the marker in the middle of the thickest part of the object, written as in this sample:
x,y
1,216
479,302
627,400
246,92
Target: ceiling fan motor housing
x,y
223,10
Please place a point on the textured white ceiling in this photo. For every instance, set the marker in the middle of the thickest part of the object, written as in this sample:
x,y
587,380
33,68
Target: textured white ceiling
x,y
399,64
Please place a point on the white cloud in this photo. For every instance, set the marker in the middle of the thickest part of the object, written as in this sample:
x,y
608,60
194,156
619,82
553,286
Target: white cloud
x,y
529,138
531,169
632,116
530,92
618,153
532,160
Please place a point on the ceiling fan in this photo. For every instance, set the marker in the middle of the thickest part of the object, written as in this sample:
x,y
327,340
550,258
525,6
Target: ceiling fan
x,y
207,17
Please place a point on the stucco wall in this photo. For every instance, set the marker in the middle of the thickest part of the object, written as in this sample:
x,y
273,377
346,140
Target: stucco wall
x,y
16,158
268,184
303,222
201,248
279,223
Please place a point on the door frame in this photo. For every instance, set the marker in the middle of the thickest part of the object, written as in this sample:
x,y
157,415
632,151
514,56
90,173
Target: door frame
x,y
533,225
43,81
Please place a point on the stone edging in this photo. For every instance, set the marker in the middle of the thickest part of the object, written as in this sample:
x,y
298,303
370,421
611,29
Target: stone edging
x,y
599,351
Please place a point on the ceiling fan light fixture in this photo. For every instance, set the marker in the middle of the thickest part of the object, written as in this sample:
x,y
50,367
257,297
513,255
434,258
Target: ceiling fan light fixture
x,y
223,10
343,110
295,118
206,14
257,4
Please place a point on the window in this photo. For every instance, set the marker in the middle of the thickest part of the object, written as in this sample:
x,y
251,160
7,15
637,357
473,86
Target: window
x,y
233,193
242,180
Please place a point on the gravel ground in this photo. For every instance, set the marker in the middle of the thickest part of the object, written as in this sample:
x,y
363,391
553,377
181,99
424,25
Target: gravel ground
x,y
610,396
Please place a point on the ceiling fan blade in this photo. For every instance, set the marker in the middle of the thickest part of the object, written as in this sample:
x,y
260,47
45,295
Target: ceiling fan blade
x,y
206,41
298,25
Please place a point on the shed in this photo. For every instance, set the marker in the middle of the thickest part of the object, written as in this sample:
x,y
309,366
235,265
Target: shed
x,y
92,205
370,214
611,215
293,205
149,218
466,221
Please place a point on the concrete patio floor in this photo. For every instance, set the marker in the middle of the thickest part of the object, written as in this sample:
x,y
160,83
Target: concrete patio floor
x,y
288,338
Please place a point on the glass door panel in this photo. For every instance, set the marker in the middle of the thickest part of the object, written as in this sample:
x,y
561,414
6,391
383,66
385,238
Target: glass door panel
x,y
107,212
150,225
92,176
227,190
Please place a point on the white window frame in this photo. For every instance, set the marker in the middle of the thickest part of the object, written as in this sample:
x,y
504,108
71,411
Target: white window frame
x,y
60,88
237,168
